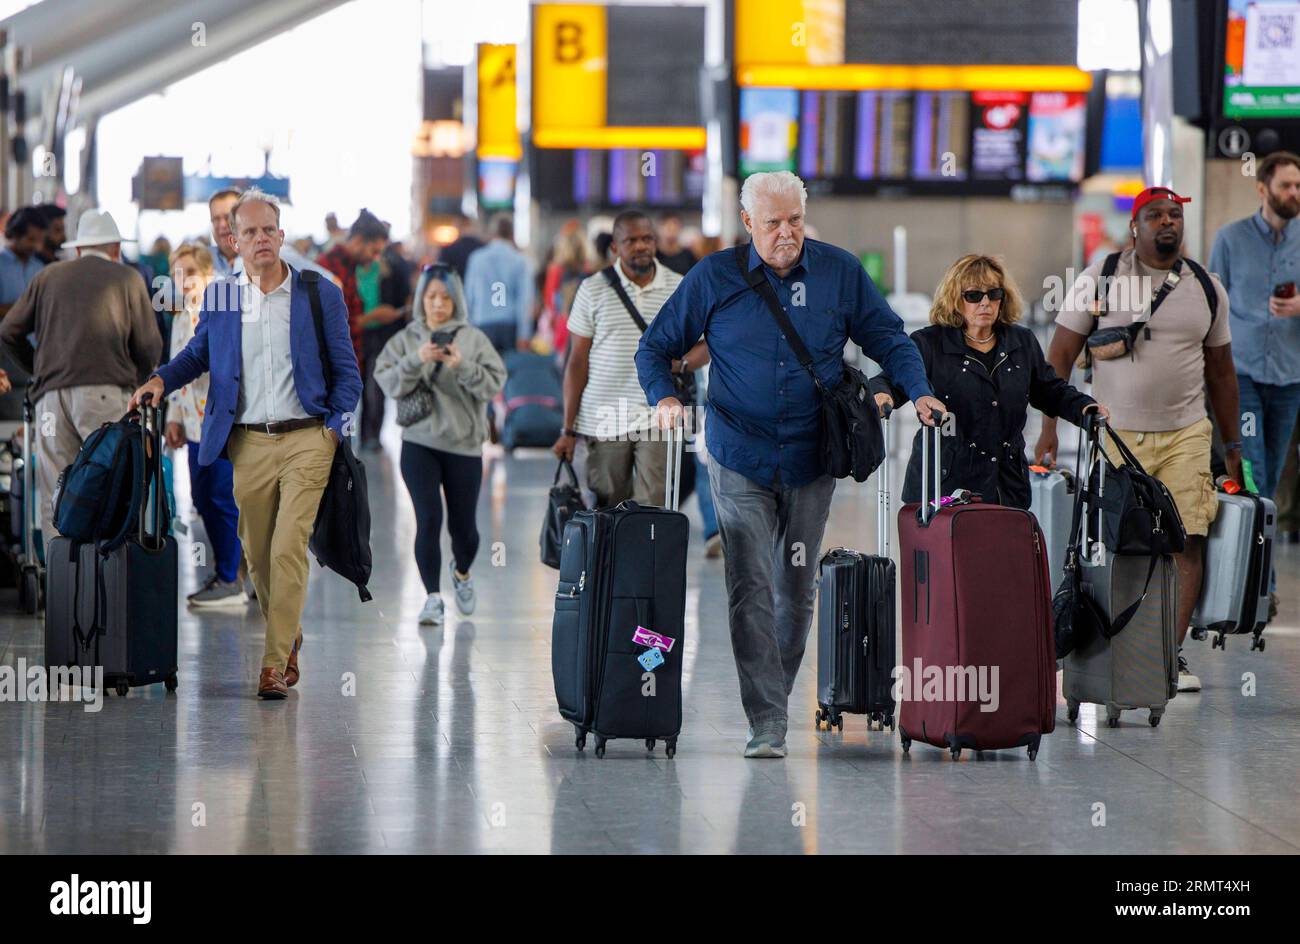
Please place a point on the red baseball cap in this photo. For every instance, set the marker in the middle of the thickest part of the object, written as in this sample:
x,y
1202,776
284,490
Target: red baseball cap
x,y
1151,194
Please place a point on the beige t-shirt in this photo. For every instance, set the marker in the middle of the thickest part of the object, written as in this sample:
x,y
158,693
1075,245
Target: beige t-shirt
x,y
1159,387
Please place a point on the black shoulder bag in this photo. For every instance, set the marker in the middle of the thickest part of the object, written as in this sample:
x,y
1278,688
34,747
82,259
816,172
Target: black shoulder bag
x,y
340,538
852,444
683,382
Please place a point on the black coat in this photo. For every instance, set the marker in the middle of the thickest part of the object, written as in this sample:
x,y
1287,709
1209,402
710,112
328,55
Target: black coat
x,y
987,453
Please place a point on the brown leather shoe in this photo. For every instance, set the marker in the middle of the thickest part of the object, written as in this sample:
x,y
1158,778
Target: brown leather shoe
x,y
271,684
291,670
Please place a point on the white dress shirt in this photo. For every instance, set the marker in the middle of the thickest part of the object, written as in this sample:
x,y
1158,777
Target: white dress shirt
x,y
266,390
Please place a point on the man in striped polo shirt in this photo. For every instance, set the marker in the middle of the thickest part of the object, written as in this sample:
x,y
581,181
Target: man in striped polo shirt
x,y
603,402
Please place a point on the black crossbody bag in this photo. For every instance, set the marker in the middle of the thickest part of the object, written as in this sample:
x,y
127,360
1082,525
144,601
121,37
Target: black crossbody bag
x,y
684,382
852,445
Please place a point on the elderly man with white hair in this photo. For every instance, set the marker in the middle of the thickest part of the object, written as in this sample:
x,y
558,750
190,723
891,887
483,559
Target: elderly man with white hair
x,y
771,493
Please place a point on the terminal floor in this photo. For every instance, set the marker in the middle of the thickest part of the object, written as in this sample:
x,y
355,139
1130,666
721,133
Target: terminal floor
x,y
403,738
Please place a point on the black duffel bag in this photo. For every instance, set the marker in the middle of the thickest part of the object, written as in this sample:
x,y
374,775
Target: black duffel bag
x,y
340,539
565,499
1139,515
852,444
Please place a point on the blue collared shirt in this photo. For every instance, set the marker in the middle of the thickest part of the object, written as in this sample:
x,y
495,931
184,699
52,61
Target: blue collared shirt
x,y
15,274
1250,263
499,287
764,413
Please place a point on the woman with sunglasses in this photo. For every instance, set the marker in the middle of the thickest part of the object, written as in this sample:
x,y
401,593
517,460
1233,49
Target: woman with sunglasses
x,y
442,371
988,370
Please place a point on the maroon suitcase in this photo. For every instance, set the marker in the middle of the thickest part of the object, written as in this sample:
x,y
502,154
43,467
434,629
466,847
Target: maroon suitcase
x,y
976,606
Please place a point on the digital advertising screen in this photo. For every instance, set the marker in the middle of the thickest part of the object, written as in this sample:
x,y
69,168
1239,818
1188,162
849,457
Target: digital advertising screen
x,y
999,122
769,129
1057,137
1261,76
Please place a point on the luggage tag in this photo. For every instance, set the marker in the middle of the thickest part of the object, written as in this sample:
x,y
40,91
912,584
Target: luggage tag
x,y
651,659
646,637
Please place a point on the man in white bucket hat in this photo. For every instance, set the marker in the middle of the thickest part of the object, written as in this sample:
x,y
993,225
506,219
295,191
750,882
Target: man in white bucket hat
x,y
96,341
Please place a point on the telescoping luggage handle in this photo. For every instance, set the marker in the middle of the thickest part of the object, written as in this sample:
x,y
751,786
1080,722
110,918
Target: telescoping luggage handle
x,y
1092,546
931,471
151,425
673,475
882,491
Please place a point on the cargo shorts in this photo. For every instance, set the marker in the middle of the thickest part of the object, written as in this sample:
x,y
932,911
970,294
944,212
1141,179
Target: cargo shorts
x,y
1180,459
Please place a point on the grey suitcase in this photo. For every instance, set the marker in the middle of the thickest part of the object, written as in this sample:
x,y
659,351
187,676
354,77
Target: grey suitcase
x,y
1238,570
1051,499
1138,667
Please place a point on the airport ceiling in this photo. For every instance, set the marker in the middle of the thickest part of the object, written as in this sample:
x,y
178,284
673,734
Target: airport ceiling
x,y
123,50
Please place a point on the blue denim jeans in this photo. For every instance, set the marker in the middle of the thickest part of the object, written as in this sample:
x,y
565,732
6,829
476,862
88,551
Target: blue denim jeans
x,y
1273,408
771,541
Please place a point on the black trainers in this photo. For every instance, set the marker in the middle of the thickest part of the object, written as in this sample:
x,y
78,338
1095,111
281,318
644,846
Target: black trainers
x,y
218,593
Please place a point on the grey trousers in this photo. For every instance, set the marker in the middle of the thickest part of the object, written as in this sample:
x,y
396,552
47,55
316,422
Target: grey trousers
x,y
65,418
771,540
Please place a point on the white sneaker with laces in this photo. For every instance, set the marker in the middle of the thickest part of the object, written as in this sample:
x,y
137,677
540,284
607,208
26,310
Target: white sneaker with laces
x,y
432,614
1187,682
465,598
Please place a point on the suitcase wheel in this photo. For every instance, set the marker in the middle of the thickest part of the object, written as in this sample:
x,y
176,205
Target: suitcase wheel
x,y
889,720
823,714
1257,644
1154,720
600,746
1033,752
1072,711
1219,642
170,682
907,742
670,748
122,688
580,741
955,752
1112,716
649,744
1198,633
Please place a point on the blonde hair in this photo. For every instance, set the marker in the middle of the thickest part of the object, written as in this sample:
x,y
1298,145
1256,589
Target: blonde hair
x,y
202,256
974,272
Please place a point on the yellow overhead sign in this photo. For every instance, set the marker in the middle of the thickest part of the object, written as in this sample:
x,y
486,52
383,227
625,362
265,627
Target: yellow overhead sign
x,y
498,126
927,78
792,32
570,47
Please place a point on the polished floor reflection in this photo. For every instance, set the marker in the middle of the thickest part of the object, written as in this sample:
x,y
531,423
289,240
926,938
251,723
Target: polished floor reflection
x,y
408,739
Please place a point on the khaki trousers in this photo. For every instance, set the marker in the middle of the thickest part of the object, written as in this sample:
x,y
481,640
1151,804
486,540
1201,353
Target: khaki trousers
x,y
279,481
619,469
64,420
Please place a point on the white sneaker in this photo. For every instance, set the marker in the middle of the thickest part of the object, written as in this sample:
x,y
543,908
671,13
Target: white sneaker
x,y
465,598
432,614
1187,682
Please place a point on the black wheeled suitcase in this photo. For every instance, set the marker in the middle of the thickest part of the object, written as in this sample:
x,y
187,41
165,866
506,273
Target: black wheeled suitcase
x,y
117,610
856,626
620,613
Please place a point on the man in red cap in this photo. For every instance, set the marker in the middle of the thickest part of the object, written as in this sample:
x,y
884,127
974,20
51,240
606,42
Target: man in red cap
x,y
1155,389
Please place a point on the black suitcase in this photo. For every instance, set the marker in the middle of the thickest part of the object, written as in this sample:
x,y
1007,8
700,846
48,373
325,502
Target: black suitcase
x,y
856,623
621,599
119,611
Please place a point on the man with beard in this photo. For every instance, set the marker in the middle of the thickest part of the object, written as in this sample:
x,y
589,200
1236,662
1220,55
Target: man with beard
x,y
603,403
1156,392
1258,259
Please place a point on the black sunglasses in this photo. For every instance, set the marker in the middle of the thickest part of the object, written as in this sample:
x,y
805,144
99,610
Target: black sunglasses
x,y
975,296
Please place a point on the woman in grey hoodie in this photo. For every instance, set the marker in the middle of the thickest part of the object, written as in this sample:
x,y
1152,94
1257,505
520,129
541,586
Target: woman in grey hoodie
x,y
442,362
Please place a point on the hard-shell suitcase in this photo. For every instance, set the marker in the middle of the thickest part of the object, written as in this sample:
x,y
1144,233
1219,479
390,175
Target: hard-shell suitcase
x,y
118,610
620,614
1051,499
976,616
856,626
1238,570
1138,666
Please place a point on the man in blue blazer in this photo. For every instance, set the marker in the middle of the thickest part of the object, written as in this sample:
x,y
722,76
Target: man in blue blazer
x,y
270,413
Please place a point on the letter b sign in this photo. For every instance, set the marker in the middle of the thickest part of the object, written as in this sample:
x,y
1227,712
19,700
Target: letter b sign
x,y
568,42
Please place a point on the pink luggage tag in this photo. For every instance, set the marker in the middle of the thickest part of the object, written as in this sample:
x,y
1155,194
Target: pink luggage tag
x,y
646,637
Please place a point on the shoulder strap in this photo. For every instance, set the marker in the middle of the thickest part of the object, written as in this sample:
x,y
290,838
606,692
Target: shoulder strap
x,y
1211,294
311,281
759,283
617,285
